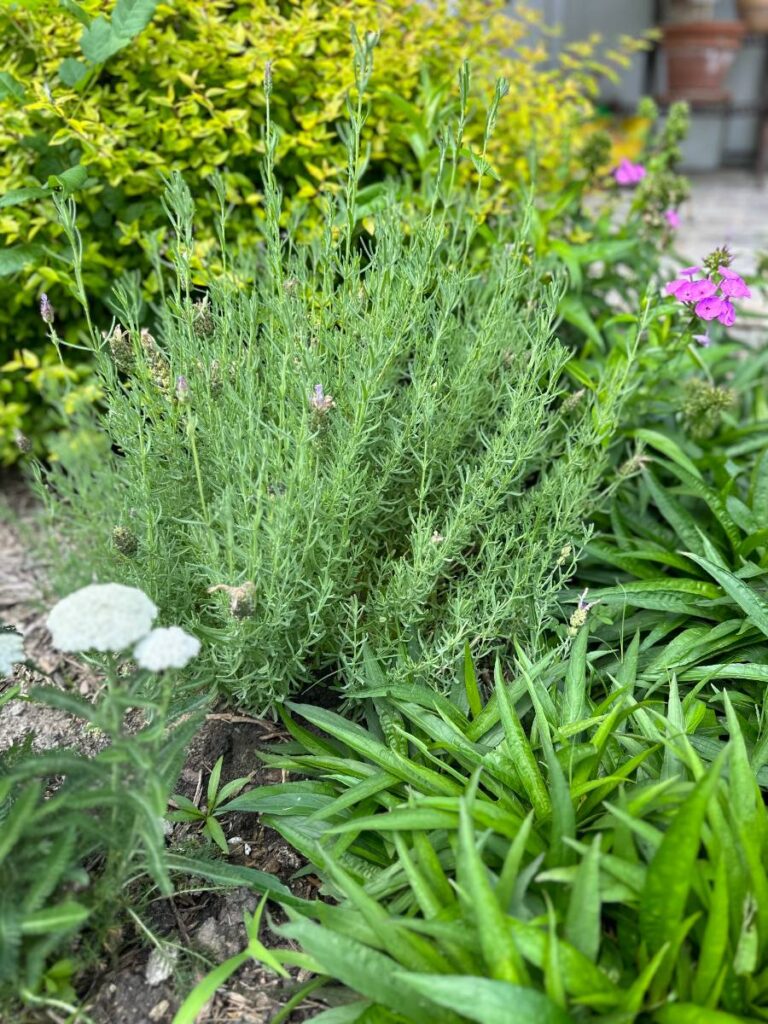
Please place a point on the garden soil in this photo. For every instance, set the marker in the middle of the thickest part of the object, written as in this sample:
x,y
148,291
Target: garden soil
x,y
198,928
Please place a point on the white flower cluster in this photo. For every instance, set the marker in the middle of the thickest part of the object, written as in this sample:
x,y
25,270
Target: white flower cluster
x,y
11,652
113,617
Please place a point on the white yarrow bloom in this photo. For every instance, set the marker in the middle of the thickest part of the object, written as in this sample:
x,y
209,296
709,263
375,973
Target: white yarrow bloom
x,y
101,617
11,652
165,648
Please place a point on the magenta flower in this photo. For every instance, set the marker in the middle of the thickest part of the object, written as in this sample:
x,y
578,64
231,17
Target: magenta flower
x,y
732,285
694,291
672,218
703,295
628,173
715,308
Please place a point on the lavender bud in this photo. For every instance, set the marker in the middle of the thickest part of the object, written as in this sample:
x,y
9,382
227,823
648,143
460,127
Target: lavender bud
x,y
182,388
22,442
46,309
320,402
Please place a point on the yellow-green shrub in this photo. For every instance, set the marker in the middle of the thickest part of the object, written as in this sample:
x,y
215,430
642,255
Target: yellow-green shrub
x,y
186,94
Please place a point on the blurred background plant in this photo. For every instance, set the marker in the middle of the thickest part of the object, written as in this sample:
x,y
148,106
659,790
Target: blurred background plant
x,y
105,104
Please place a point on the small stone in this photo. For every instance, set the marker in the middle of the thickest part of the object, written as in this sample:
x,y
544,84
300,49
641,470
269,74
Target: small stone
x,y
159,1011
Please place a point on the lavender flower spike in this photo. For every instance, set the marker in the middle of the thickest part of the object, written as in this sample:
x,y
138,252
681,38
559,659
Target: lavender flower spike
x,y
46,309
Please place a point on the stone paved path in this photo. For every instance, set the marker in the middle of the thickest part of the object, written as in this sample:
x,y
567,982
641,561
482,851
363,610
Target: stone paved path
x,y
725,207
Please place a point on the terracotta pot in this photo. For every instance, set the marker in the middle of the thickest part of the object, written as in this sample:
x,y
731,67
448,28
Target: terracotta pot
x,y
754,14
699,57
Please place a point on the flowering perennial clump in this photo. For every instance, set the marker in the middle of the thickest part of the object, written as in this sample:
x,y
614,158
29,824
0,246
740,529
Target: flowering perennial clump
x,y
710,296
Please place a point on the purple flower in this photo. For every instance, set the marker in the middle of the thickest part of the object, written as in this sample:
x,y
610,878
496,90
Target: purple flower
x,y
727,314
628,173
715,308
672,218
703,339
691,291
689,272
319,401
732,285
46,309
182,388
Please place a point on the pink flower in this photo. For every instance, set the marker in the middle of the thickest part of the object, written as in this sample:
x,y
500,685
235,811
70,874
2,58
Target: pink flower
x,y
672,218
728,314
703,339
732,285
694,291
715,308
691,291
628,173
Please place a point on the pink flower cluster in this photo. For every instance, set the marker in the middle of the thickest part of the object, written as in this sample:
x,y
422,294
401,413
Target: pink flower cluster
x,y
628,173
703,294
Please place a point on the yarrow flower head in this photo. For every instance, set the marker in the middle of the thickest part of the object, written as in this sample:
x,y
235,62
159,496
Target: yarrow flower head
x,y
101,617
11,651
710,295
628,173
166,648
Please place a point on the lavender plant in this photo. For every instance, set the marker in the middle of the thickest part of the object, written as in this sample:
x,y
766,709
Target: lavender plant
x,y
372,446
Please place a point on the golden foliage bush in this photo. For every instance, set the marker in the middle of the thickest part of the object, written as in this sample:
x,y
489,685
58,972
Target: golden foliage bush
x,y
186,94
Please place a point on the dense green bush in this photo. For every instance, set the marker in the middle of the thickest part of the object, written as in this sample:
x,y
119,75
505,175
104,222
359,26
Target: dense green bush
x,y
372,446
106,98
557,854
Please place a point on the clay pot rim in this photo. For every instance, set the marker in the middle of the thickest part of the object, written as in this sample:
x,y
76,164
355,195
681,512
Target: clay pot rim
x,y
706,29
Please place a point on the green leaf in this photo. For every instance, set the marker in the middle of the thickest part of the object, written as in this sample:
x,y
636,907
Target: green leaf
x,y
234,875
714,944
573,311
575,679
77,11
520,750
754,607
72,71
213,783
103,38
498,948
670,873
667,447
582,923
16,196
59,918
10,89
486,1000
206,989
690,1013
364,970
470,684
214,830
70,180
15,258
